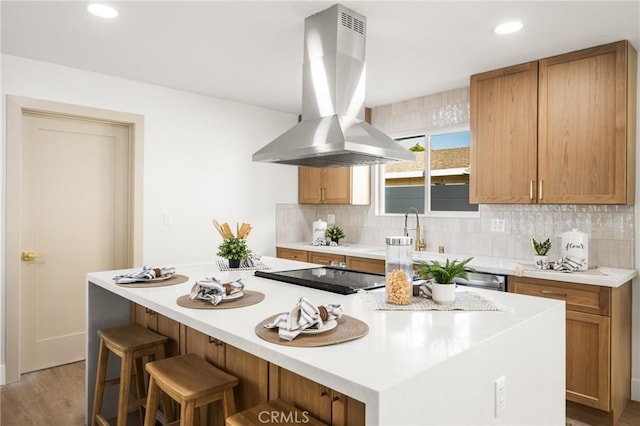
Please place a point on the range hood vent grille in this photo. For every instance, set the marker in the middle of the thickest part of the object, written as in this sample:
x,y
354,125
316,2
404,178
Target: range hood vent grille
x,y
352,23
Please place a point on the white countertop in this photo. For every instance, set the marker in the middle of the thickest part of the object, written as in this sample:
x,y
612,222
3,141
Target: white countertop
x,y
602,276
399,346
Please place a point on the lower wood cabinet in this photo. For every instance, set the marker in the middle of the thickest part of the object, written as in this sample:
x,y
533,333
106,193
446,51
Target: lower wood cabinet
x,y
259,380
160,324
319,401
352,262
251,371
365,264
325,258
598,336
291,254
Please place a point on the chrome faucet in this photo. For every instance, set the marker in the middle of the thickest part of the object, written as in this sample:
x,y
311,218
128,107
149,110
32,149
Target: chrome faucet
x,y
420,244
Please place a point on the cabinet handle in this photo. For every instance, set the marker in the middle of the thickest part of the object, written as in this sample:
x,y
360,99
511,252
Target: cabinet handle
x,y
323,391
215,341
336,397
149,311
540,189
554,293
321,194
531,183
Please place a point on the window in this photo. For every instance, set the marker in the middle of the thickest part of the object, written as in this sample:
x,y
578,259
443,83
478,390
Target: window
x,y
438,181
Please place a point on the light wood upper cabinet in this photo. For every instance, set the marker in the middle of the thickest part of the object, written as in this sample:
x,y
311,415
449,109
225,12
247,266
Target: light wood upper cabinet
x,y
504,114
556,131
341,185
583,133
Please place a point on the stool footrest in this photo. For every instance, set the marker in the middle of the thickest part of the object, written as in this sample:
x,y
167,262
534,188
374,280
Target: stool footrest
x,y
102,421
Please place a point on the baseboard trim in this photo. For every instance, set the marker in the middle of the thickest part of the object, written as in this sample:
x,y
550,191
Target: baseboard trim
x,y
635,389
3,378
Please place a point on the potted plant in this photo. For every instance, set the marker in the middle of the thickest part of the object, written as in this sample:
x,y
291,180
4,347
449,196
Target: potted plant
x,y
443,289
235,250
541,249
334,233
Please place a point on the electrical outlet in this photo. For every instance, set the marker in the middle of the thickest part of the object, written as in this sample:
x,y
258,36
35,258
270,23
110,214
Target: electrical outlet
x,y
497,225
167,220
500,393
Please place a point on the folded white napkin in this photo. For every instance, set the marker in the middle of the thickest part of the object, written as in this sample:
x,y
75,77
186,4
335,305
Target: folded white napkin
x,y
303,316
147,273
569,264
212,290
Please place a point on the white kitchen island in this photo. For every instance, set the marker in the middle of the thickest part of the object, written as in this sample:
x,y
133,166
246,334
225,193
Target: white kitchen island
x,y
411,368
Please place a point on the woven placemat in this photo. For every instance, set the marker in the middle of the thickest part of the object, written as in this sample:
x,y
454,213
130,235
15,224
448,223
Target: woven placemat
x,y
175,279
250,298
223,265
465,301
349,328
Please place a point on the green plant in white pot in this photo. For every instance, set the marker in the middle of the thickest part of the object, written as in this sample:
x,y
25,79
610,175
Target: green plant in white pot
x,y
443,289
541,249
235,250
334,233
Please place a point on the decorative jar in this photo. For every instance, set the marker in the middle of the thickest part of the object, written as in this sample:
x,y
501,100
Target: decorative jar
x,y
399,270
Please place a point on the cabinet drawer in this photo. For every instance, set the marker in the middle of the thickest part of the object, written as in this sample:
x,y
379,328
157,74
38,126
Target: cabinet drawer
x,y
325,258
291,254
586,298
366,265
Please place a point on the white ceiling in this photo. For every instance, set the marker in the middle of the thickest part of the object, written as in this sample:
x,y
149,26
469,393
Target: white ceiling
x,y
251,52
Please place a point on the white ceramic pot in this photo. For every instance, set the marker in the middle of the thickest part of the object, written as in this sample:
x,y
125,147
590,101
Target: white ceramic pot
x,y
542,261
443,294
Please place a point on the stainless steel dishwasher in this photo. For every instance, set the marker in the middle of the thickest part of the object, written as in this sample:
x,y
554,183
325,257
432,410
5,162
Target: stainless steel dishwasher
x,y
484,280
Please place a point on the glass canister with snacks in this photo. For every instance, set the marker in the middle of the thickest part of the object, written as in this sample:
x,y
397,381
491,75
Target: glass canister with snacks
x,y
399,270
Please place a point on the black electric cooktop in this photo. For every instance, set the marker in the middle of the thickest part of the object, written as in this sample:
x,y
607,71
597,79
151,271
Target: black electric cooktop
x,y
335,280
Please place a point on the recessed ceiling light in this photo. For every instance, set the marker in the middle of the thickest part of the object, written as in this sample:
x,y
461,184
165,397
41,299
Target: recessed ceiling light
x,y
102,10
508,27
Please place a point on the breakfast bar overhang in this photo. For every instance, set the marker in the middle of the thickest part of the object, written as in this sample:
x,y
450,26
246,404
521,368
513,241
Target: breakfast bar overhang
x,y
428,367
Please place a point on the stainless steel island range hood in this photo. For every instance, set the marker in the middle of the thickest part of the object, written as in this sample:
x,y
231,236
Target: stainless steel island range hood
x,y
333,132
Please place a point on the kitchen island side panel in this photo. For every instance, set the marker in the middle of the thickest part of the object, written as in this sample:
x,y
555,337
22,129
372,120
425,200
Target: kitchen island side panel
x,y
104,309
531,358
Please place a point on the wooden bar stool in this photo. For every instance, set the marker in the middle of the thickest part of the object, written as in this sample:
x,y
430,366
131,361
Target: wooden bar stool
x,y
130,342
275,411
192,382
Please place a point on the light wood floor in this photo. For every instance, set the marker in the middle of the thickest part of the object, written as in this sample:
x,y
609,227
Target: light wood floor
x,y
55,397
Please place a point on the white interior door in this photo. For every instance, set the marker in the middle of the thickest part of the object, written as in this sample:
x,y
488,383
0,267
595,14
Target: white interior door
x,y
75,210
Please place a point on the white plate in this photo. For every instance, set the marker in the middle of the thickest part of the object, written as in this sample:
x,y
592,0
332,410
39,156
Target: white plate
x,y
328,325
232,297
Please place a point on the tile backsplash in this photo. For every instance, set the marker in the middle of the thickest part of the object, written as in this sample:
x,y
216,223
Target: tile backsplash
x,y
611,229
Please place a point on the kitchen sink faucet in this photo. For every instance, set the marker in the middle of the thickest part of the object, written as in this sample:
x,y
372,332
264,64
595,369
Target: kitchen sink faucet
x,y
420,244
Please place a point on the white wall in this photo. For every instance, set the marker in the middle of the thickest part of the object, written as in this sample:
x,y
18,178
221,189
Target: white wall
x,y
197,159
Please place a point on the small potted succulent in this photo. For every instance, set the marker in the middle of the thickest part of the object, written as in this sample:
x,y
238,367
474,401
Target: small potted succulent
x,y
443,289
334,233
541,249
235,250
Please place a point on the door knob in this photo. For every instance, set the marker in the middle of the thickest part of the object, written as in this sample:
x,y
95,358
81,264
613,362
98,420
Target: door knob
x,y
29,256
